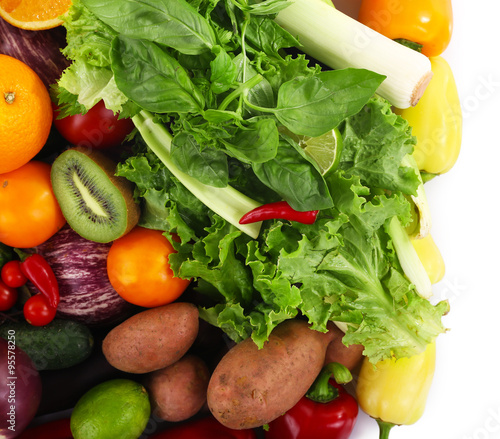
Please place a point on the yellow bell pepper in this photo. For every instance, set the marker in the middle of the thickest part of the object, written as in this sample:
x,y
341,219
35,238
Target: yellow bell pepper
x,y
437,121
394,391
428,252
426,22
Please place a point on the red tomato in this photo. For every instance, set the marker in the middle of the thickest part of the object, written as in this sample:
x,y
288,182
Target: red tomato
x,y
99,128
139,271
37,310
12,276
8,297
29,212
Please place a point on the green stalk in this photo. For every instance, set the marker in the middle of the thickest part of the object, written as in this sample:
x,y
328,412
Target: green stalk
x,y
409,260
385,428
420,200
227,202
321,390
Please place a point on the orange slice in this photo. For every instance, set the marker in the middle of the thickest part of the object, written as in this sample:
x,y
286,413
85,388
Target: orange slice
x,y
34,14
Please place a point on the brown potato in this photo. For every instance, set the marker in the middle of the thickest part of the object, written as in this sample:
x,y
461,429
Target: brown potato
x,y
349,356
250,386
179,391
152,339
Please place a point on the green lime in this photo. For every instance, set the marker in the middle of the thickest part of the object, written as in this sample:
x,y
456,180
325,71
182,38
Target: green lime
x,y
325,150
117,408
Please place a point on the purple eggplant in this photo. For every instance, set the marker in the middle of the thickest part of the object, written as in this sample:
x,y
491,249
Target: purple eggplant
x,y
40,50
84,288
20,388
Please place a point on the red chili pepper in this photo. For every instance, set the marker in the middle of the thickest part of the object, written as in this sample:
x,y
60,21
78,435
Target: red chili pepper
x,y
59,429
204,428
39,272
279,210
326,412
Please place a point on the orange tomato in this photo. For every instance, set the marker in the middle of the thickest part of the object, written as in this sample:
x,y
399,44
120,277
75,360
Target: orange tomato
x,y
139,271
426,22
29,212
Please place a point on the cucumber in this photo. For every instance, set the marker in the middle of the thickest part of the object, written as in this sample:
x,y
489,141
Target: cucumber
x,y
58,345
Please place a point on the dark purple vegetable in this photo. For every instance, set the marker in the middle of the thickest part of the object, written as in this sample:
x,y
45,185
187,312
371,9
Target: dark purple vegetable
x,y
86,294
20,389
38,49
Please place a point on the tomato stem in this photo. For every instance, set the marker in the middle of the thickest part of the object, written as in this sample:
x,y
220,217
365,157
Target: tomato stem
x,y
9,97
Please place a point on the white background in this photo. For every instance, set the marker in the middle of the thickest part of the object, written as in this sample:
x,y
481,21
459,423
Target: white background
x,y
464,401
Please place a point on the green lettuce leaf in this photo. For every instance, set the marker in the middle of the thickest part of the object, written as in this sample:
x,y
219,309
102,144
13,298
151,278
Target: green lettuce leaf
x,y
375,142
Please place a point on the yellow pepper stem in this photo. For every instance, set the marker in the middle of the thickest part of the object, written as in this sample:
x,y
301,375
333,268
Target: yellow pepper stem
x,y
385,428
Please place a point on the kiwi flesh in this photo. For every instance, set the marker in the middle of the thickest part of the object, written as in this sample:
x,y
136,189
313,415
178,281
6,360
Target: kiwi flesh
x,y
97,205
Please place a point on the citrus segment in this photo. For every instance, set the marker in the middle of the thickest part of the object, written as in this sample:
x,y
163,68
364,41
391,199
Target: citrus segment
x,y
34,14
325,150
25,114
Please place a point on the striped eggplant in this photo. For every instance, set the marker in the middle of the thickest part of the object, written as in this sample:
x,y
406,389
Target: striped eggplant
x,y
80,268
41,50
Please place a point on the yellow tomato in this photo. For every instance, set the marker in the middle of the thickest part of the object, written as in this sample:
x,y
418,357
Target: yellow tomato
x,y
139,271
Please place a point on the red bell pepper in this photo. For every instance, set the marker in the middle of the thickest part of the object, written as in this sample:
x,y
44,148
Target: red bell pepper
x,y
59,429
326,412
204,428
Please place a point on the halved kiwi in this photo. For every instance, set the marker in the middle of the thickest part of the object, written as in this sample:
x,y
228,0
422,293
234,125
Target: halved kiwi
x,y
97,205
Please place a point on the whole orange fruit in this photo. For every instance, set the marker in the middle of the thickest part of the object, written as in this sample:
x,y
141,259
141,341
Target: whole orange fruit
x,y
34,14
25,114
139,270
29,212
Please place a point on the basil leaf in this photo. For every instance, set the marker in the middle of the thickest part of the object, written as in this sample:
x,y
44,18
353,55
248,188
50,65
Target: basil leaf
x,y
295,178
152,78
255,144
224,72
267,7
207,165
269,36
260,94
182,27
311,106
220,116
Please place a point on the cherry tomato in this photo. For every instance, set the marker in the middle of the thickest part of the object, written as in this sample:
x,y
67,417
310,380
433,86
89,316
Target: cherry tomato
x,y
29,212
37,311
139,271
8,297
11,274
99,128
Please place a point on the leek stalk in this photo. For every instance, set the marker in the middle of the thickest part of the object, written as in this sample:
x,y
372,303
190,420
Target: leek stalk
x,y
340,41
409,260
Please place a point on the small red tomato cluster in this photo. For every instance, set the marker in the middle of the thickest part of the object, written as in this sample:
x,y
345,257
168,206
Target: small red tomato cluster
x,y
41,308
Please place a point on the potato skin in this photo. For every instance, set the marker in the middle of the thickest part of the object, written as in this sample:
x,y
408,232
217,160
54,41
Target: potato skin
x,y
250,386
349,356
152,339
179,391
